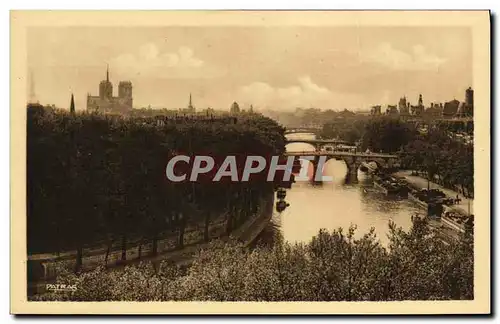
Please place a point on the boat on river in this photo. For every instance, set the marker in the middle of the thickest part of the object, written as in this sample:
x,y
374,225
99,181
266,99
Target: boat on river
x,y
388,189
415,196
456,220
281,205
369,167
434,200
390,185
424,196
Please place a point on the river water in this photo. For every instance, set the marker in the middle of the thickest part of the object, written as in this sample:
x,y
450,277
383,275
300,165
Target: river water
x,y
339,204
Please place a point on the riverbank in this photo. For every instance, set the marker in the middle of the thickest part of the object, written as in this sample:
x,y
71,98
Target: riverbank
x,y
466,205
245,234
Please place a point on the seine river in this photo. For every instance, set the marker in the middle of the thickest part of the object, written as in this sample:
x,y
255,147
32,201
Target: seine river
x,y
339,204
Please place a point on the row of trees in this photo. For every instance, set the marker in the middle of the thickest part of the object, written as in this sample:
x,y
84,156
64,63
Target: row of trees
x,y
94,180
309,116
386,134
379,134
442,158
334,266
457,126
347,129
449,162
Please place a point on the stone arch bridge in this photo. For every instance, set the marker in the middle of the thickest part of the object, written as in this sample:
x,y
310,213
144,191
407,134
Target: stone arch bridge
x,y
352,160
319,143
313,130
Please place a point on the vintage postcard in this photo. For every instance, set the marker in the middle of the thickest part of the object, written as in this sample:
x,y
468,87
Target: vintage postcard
x,y
250,162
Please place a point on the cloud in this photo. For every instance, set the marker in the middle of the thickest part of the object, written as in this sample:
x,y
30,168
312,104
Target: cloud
x,y
305,94
149,60
418,59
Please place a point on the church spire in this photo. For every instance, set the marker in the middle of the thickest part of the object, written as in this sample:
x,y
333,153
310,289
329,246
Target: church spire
x,y
107,72
190,107
72,105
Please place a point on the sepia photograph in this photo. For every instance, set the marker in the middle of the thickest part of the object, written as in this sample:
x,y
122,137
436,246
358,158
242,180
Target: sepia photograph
x,y
179,157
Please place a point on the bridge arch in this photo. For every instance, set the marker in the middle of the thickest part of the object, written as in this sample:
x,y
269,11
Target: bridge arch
x,y
353,160
327,166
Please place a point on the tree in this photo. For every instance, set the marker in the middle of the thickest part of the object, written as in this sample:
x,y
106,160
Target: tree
x,y
437,154
333,266
95,179
387,134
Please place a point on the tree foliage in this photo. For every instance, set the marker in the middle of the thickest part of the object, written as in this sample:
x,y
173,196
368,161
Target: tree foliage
x,y
350,129
94,179
448,161
387,134
435,152
333,266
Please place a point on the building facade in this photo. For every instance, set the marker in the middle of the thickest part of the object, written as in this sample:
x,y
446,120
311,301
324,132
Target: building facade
x,y
235,108
376,110
419,109
466,108
450,108
469,97
107,104
435,110
469,101
404,107
392,110
462,110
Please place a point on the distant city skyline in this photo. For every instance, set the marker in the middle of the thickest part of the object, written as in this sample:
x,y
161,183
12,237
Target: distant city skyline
x,y
279,68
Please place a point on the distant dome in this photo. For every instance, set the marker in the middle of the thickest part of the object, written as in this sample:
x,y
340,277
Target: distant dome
x,y
235,107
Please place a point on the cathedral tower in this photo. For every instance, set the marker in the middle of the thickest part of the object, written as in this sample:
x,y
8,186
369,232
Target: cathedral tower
x,y
125,90
106,87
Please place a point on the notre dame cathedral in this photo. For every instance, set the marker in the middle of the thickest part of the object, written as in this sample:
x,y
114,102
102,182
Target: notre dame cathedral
x,y
107,104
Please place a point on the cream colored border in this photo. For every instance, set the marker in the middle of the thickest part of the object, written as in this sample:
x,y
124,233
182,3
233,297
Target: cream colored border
x,y
480,26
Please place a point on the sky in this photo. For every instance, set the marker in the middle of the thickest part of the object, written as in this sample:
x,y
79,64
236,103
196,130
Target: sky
x,y
280,68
